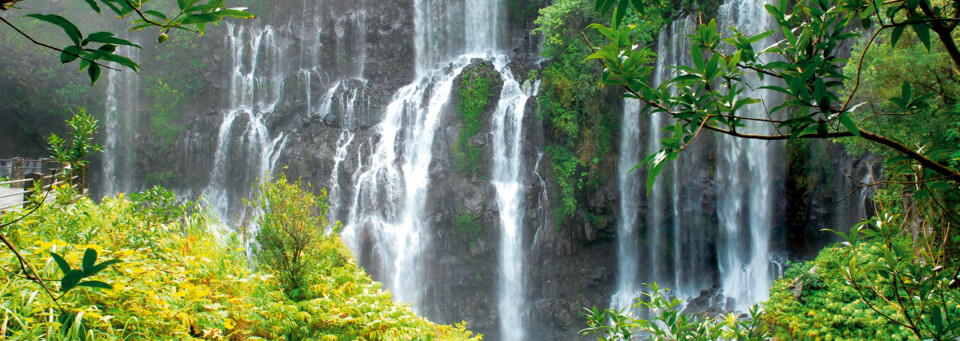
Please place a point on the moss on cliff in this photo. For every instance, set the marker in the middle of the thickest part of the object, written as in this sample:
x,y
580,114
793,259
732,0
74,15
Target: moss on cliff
x,y
474,93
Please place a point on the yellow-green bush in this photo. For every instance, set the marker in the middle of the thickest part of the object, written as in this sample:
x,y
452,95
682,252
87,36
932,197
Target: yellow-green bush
x,y
183,277
814,301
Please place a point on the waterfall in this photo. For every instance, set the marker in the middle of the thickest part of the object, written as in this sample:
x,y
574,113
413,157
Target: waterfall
x,y
675,255
390,193
747,171
687,177
386,214
507,180
261,59
630,189
256,83
664,261
122,118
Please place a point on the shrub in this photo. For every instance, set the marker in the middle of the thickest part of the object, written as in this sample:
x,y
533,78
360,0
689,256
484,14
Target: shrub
x,y
292,223
668,323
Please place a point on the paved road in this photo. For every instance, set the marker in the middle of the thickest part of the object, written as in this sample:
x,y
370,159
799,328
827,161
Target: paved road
x,y
6,197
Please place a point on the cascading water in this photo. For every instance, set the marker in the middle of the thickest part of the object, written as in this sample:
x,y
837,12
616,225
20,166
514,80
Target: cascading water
x,y
675,255
390,193
256,83
747,171
122,117
628,247
507,180
262,58
665,263
387,212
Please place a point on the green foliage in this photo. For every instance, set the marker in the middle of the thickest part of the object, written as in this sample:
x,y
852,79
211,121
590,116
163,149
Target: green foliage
x,y
877,284
474,95
292,222
185,278
167,103
668,323
159,205
826,306
83,128
73,278
564,170
912,96
807,61
579,114
94,49
467,229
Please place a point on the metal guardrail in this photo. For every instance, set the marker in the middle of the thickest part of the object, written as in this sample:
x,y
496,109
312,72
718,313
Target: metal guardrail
x,y
17,168
39,185
35,176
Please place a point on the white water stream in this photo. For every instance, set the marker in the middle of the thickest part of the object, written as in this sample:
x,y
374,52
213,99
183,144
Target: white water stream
x,y
673,254
122,117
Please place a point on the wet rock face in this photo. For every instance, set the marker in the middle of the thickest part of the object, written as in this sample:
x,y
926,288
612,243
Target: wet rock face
x,y
463,208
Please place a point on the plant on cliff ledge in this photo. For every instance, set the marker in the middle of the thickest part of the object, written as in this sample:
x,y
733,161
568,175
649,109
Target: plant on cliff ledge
x,y
474,95
580,115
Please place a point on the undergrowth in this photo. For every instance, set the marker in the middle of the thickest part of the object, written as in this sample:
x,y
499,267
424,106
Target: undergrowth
x,y
183,276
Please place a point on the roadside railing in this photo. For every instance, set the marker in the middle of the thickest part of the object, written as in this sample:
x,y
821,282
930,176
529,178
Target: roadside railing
x,y
26,178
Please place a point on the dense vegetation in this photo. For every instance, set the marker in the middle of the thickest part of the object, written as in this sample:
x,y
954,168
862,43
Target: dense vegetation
x,y
184,276
894,275
579,115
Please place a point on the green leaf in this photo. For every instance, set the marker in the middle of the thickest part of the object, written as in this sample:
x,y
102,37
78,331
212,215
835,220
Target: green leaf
x,y
141,26
70,280
620,12
777,89
100,267
759,37
95,284
89,259
108,38
127,62
70,53
848,123
712,67
234,13
114,8
72,31
906,92
923,32
895,36
157,14
199,19
183,4
108,48
603,6
61,263
952,326
94,72
638,5
93,5
697,56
